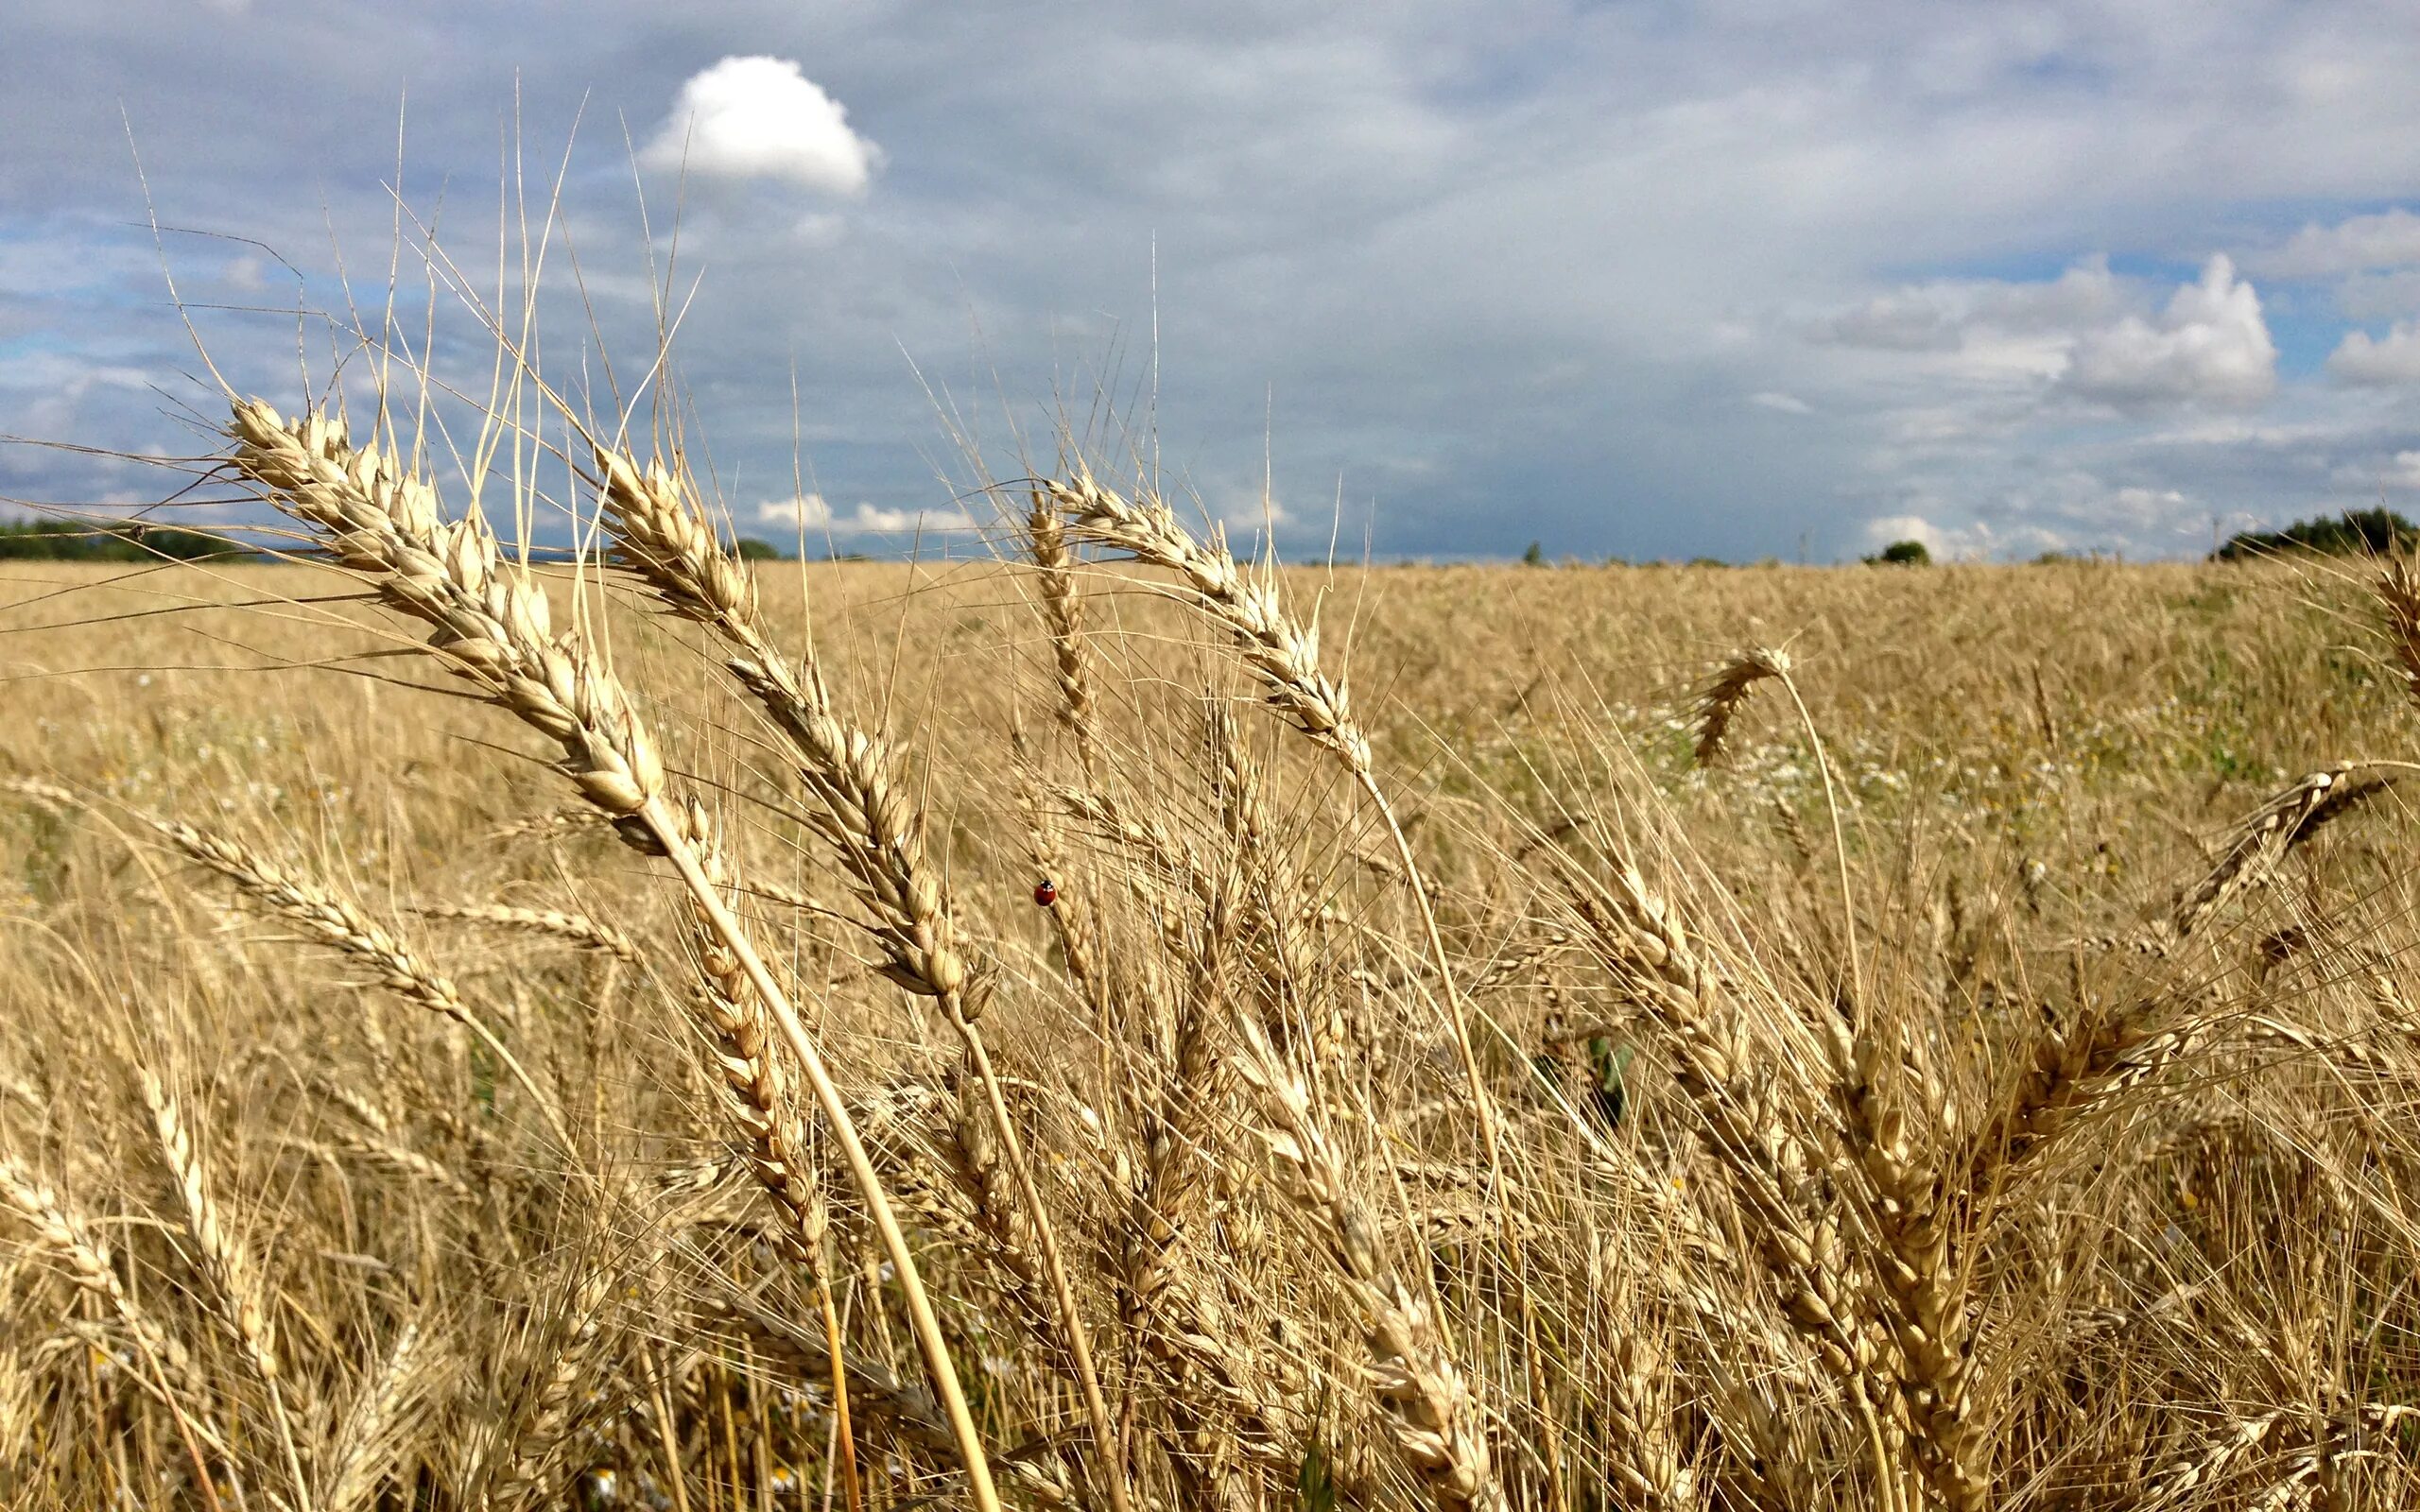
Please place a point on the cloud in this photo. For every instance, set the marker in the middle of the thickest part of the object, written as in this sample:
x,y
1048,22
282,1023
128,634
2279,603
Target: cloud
x,y
1884,529
1928,318
808,510
1948,314
1419,228
2389,362
2357,245
2384,296
1781,403
812,514
2210,346
2401,471
762,118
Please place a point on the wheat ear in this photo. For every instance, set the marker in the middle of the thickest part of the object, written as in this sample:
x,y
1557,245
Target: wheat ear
x,y
1642,947
225,1259
1430,1412
362,1445
1062,615
88,1263
491,629
338,922
1719,702
579,929
1284,653
2397,590
864,813
2271,833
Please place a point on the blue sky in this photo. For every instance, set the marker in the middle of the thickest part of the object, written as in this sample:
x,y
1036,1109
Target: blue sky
x,y
1623,279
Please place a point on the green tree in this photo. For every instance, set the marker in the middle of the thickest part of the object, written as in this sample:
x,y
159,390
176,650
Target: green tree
x,y
2356,532
1534,556
69,541
1901,554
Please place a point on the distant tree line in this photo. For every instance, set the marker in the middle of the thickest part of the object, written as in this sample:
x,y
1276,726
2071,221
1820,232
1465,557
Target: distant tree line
x,y
68,540
2366,532
75,541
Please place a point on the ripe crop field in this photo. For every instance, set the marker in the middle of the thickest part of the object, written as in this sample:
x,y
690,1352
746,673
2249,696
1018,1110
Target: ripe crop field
x,y
1577,1038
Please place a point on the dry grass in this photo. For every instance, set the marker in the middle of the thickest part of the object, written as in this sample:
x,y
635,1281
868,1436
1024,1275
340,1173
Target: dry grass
x,y
1449,1089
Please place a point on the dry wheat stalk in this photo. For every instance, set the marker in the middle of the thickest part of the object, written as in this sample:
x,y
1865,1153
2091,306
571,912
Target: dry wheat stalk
x,y
864,813
2397,590
1744,1122
594,934
361,1451
42,791
1921,1270
2073,1071
1717,703
875,1394
491,624
338,922
522,1463
774,1136
329,917
89,1266
1285,653
225,1259
1432,1414
1275,912
1062,613
2219,1457
1070,915
2271,832
491,627
1742,1119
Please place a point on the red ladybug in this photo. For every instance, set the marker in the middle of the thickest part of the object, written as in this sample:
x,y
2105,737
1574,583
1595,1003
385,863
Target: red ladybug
x,y
1044,894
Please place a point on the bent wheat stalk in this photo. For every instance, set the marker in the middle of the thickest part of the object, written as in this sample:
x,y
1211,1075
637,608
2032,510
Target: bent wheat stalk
x,y
1432,1414
491,627
864,814
1285,656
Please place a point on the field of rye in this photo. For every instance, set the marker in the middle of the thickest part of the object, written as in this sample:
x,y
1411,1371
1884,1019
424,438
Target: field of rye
x,y
594,1034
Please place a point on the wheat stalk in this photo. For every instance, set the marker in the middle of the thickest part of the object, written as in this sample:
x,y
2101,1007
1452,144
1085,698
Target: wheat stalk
x,y
1719,702
225,1259
491,629
1432,1414
361,1448
863,813
1062,615
89,1264
591,934
1285,653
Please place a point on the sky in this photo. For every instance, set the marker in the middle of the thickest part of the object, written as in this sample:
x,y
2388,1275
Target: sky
x,y
1423,280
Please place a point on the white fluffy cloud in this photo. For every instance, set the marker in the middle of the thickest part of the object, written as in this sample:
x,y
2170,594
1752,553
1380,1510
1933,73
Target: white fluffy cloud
x,y
2357,245
2387,362
813,514
763,118
2210,346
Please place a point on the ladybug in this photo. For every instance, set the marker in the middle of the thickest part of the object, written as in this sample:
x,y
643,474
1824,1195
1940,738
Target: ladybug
x,y
1044,894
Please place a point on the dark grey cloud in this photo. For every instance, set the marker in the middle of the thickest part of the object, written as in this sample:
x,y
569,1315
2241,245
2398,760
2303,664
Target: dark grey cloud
x,y
1632,278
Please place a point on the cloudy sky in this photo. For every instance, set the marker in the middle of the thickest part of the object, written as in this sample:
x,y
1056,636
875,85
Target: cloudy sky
x,y
1639,279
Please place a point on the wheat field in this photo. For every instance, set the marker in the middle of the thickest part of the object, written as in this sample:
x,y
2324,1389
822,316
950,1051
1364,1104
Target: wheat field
x,y
503,1034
